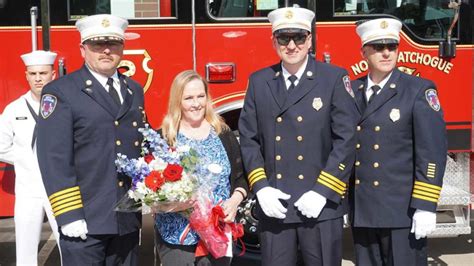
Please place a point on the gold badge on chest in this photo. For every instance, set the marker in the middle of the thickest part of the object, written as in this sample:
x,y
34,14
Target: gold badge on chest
x,y
317,103
395,114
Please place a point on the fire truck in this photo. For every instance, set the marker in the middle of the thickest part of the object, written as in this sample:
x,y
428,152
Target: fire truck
x,y
227,40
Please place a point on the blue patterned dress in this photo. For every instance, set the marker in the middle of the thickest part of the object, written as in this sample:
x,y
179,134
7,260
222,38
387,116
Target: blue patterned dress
x,y
172,226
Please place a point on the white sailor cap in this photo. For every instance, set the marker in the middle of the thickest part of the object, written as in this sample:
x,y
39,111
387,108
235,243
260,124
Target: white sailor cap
x,y
39,57
382,30
102,27
291,19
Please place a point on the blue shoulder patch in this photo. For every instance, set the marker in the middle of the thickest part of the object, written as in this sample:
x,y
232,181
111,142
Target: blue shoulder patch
x,y
48,104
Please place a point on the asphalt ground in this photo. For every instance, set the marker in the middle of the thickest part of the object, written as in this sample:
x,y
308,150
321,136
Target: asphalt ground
x,y
456,251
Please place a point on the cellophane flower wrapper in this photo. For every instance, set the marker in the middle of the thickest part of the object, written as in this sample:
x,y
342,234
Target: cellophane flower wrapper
x,y
206,218
164,179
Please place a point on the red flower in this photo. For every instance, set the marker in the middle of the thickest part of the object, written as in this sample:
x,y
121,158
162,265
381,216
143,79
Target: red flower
x,y
173,172
154,180
148,158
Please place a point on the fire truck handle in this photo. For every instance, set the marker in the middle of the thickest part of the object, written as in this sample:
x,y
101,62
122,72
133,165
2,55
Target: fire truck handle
x,y
62,67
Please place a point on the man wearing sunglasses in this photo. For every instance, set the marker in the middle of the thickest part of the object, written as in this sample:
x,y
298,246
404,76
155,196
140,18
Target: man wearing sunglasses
x,y
400,156
297,131
87,117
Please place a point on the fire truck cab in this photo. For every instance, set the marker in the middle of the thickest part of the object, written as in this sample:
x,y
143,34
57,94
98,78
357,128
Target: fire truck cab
x,y
227,40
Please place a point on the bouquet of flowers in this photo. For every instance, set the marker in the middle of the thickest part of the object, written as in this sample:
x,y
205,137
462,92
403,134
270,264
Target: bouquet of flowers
x,y
164,179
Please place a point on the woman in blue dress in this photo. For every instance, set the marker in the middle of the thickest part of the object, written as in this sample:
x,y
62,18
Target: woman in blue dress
x,y
191,120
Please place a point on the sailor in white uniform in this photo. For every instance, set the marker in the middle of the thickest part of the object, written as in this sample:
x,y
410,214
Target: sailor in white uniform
x,y
17,147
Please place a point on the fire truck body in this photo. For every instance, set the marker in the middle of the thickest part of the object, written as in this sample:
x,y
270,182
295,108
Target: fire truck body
x,y
227,44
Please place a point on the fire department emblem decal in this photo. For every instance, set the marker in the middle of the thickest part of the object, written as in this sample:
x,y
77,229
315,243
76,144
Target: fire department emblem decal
x,y
395,114
317,103
432,98
383,24
48,104
289,14
347,85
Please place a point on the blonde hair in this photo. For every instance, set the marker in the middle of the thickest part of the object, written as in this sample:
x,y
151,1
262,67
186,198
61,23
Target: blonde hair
x,y
172,119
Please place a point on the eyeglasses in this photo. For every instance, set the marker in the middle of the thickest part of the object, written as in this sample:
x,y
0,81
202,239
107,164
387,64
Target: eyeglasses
x,y
285,39
100,45
379,47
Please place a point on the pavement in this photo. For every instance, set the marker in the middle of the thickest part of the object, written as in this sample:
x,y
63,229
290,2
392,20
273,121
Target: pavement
x,y
456,251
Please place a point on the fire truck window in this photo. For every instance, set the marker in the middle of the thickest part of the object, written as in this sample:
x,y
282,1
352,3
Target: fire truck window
x,y
130,9
428,19
248,8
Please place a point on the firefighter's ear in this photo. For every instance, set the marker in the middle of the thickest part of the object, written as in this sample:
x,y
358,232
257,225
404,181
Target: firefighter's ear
x,y
83,50
363,52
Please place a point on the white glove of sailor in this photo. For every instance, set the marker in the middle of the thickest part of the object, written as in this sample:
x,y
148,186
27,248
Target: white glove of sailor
x,y
75,229
424,223
268,198
310,204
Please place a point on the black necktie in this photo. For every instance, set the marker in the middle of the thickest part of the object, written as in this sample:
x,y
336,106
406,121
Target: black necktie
x,y
374,89
35,117
292,79
112,91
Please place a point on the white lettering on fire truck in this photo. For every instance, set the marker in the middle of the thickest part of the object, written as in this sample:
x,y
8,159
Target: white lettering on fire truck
x,y
411,57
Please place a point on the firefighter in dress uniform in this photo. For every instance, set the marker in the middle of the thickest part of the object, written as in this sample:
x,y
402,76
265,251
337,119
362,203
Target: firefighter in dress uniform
x,y
297,131
17,147
401,154
87,118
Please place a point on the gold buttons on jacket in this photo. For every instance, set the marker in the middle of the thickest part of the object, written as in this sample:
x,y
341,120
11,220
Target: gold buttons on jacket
x,y
116,122
134,124
299,118
299,138
118,142
359,128
358,146
357,163
279,176
376,183
278,138
279,119
300,157
301,176
278,157
376,147
120,183
376,165
357,181
377,128
136,143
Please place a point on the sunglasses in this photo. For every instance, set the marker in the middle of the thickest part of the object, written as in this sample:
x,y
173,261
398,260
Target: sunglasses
x,y
285,39
379,47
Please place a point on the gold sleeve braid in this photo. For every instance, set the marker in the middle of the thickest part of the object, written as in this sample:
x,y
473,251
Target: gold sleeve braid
x,y
66,200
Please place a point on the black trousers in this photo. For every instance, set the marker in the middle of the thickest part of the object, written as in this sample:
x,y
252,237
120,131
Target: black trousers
x,y
183,255
388,246
100,250
320,243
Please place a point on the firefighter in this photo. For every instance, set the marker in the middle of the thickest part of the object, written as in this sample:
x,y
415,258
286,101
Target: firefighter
x,y
401,154
297,131
87,117
17,147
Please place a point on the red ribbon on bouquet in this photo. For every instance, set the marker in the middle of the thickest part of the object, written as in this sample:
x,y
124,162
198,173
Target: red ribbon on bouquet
x,y
215,220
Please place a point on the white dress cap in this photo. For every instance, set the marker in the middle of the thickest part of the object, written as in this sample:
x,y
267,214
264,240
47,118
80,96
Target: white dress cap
x,y
381,30
291,18
39,57
102,27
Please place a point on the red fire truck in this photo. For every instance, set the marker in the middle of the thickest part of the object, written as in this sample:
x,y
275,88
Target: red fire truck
x,y
226,40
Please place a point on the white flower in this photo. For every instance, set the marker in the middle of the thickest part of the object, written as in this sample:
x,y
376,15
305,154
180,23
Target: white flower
x,y
157,165
183,149
214,168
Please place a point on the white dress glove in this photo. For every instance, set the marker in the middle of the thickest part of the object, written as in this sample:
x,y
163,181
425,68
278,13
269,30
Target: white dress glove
x,y
424,223
75,229
268,198
310,204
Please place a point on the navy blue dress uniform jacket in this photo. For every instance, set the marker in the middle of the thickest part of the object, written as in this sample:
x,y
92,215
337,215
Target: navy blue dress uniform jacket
x,y
401,152
300,141
78,142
